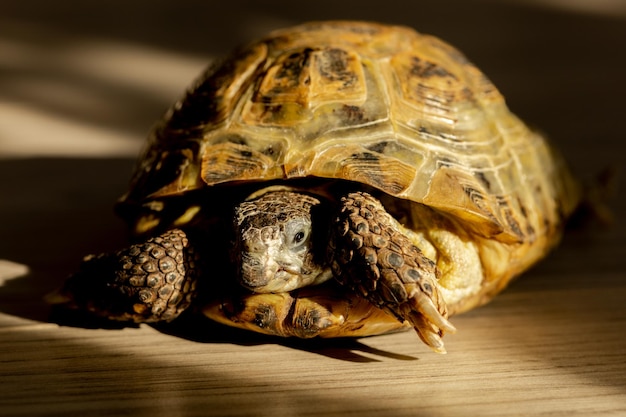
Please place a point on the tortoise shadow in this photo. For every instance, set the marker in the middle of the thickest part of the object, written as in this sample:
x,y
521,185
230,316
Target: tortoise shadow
x,y
196,328
346,349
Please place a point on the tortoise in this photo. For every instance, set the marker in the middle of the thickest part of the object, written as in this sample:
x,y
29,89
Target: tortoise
x,y
333,179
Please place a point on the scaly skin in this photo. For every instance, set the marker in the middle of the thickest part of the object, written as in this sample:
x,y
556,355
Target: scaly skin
x,y
374,257
146,282
276,242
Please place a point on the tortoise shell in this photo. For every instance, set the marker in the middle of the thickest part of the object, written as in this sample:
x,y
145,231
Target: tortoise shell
x,y
385,106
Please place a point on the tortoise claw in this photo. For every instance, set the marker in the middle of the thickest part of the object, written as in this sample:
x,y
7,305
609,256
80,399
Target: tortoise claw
x,y
429,323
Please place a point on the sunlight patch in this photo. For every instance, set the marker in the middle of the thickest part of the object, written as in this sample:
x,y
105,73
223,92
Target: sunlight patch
x,y
10,270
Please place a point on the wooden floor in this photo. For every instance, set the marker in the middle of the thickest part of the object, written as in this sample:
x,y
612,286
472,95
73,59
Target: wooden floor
x,y
79,87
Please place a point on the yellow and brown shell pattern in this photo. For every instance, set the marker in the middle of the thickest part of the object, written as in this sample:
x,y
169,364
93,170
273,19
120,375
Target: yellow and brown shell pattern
x,y
385,106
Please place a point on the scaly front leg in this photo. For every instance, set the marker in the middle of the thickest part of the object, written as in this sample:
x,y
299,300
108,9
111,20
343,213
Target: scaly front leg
x,y
371,254
146,282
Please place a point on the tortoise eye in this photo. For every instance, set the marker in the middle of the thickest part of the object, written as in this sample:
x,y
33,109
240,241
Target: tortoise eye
x,y
297,232
299,237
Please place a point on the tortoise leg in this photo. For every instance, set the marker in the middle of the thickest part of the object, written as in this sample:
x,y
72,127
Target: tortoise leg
x,y
372,255
146,282
322,311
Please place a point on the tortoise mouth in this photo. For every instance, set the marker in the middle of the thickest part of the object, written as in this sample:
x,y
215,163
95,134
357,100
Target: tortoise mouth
x,y
285,279
292,270
280,280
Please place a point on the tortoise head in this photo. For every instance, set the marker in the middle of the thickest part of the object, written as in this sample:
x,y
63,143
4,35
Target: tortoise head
x,y
279,241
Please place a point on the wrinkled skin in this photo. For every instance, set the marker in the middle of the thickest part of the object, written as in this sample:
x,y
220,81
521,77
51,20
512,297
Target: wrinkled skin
x,y
274,243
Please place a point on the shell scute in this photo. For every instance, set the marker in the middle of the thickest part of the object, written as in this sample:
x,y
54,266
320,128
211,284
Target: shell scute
x,y
299,82
212,99
235,162
386,106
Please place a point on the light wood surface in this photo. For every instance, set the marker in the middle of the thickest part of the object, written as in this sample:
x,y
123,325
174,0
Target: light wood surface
x,y
79,86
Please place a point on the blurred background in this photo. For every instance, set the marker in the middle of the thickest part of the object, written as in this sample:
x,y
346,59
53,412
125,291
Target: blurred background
x,y
82,82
